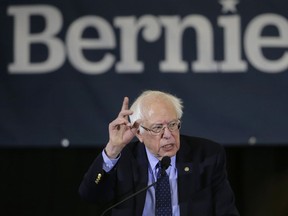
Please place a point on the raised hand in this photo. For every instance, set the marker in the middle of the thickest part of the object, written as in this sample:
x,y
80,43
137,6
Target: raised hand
x,y
121,132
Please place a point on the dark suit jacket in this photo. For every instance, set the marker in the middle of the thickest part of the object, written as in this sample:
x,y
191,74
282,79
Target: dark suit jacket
x,y
203,188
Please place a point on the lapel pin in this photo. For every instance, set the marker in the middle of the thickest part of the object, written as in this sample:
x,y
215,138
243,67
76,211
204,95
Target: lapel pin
x,y
186,169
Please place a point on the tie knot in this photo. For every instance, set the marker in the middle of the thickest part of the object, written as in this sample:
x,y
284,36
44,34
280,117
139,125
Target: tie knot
x,y
160,171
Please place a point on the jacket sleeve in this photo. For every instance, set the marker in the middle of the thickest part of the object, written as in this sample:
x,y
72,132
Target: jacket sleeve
x,y
97,186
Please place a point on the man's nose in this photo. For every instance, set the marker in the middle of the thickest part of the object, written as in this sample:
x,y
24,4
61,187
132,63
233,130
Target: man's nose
x,y
166,133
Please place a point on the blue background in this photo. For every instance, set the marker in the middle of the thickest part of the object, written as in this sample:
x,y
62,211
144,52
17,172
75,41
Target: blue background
x,y
66,104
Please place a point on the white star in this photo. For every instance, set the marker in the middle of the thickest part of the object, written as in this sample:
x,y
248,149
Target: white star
x,y
229,5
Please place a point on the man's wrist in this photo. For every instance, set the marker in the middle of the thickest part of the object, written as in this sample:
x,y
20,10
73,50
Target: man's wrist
x,y
111,155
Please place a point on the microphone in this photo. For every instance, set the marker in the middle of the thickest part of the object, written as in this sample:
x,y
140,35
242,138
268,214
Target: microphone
x,y
164,163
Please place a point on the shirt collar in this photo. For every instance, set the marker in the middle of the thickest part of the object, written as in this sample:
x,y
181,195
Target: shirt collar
x,y
153,160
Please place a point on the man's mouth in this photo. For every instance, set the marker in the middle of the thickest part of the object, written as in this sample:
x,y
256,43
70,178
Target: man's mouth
x,y
167,147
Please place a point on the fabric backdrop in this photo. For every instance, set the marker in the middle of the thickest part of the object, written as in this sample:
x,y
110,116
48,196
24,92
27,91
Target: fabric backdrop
x,y
65,67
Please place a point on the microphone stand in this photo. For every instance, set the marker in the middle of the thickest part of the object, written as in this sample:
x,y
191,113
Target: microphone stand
x,y
129,197
165,163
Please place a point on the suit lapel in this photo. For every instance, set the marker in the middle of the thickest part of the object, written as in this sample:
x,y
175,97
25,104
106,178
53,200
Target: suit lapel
x,y
186,180
142,179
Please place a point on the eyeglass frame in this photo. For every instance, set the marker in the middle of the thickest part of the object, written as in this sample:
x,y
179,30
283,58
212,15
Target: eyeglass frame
x,y
178,121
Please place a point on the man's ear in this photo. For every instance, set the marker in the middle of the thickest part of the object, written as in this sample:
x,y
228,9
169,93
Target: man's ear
x,y
139,136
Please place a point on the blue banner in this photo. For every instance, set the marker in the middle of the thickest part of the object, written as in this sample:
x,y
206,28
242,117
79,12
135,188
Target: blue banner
x,y
65,67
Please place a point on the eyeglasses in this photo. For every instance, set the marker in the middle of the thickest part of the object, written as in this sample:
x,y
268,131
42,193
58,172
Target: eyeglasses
x,y
159,128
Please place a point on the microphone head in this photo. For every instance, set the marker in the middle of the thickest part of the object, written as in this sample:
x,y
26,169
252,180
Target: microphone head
x,y
165,162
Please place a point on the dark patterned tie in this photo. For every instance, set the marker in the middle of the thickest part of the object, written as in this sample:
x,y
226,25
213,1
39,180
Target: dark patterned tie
x,y
163,196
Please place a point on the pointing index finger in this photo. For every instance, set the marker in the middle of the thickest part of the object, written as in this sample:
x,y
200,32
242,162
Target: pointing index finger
x,y
125,105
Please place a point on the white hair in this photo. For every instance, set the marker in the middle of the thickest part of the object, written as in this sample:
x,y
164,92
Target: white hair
x,y
137,106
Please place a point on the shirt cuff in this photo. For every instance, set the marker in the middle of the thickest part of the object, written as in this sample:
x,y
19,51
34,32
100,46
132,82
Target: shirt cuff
x,y
108,163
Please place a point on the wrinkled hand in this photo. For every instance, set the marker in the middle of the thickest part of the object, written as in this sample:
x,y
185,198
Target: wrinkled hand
x,y
121,131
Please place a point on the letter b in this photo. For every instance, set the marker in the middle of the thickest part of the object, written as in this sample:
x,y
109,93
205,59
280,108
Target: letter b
x,y
23,39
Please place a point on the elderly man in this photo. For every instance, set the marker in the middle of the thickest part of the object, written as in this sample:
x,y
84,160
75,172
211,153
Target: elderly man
x,y
196,176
